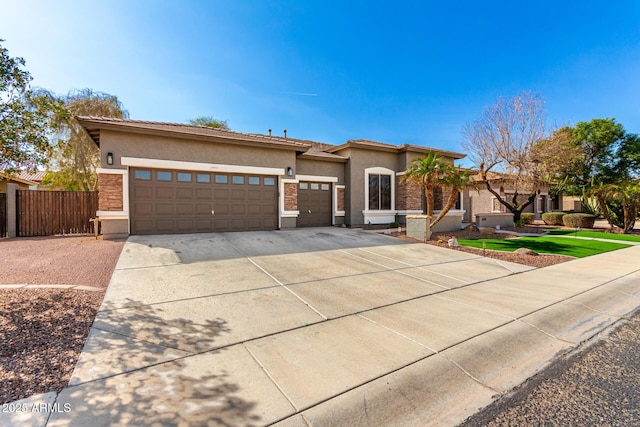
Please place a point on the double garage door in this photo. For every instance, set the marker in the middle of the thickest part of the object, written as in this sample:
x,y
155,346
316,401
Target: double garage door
x,y
175,201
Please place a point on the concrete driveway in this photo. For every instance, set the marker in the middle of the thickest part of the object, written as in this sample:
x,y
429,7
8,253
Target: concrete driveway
x,y
328,327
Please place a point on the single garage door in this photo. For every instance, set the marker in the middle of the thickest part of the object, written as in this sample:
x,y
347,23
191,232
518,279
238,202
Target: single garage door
x,y
174,201
314,204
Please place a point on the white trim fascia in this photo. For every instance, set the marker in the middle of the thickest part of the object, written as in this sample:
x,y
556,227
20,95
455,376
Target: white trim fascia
x,y
112,171
410,212
193,166
381,212
340,213
290,214
112,215
317,178
400,173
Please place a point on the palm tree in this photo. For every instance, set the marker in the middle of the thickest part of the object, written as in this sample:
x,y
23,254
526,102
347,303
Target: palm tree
x,y
427,172
456,179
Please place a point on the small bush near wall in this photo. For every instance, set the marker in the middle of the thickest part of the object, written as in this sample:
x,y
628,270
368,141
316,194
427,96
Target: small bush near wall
x,y
553,218
527,218
579,220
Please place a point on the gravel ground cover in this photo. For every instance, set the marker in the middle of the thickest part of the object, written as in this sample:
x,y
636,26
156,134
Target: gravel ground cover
x,y
43,330
596,385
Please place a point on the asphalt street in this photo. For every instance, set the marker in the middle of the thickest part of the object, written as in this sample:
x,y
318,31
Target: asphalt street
x,y
597,384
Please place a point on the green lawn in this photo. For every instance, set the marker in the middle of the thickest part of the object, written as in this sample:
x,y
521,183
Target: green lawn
x,y
548,245
596,234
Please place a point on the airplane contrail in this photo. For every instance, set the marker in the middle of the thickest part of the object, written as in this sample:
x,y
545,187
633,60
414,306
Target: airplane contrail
x,y
301,93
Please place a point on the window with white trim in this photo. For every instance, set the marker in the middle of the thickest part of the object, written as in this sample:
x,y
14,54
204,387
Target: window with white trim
x,y
379,192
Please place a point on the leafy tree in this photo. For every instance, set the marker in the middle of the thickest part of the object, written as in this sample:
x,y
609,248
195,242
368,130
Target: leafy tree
x,y
433,171
209,121
502,140
619,203
75,156
605,162
24,117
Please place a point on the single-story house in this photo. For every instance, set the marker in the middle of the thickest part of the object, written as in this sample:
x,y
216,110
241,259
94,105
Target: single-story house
x,y
24,180
158,178
481,200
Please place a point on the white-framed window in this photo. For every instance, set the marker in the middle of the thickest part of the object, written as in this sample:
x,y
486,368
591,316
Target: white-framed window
x,y
379,189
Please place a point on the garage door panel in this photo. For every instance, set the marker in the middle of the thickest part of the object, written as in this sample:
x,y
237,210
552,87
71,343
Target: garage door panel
x,y
184,206
203,209
238,209
238,194
203,194
143,193
164,209
185,225
164,193
221,194
184,209
143,209
184,193
165,226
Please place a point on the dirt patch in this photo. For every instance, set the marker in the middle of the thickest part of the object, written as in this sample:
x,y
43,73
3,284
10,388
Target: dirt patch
x,y
76,260
538,261
42,331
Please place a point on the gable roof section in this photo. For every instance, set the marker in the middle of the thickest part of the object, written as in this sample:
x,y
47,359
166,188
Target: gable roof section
x,y
32,176
19,179
93,126
381,146
319,151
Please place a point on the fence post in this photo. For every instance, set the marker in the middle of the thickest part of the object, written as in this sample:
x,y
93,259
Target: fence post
x,y
11,210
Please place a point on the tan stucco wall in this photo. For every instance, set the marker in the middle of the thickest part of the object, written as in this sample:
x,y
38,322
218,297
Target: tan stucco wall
x,y
123,144
320,168
361,159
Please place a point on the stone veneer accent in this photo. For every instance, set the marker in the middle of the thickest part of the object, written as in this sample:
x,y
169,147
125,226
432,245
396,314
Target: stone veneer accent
x,y
340,206
110,195
408,195
441,195
290,196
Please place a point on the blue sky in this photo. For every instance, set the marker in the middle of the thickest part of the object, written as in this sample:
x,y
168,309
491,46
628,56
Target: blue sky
x,y
394,71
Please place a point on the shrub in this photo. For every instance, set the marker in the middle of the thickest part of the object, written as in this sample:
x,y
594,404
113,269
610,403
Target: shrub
x,y
553,218
581,220
526,218
394,225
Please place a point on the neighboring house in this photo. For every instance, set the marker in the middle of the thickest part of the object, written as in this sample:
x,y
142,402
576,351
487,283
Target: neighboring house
x,y
482,201
20,180
173,178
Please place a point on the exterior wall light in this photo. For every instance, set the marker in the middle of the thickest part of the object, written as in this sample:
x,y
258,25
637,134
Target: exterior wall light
x,y
109,158
289,171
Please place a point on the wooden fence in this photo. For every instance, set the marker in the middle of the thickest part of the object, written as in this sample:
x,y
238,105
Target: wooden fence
x,y
3,214
45,213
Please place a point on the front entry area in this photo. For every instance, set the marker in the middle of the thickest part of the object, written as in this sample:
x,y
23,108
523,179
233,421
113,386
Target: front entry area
x,y
176,201
314,204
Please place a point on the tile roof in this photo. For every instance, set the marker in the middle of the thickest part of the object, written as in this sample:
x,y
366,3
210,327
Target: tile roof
x,y
94,124
365,143
32,176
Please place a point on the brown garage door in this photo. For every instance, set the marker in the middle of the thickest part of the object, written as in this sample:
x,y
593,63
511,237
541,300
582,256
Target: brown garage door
x,y
173,201
314,204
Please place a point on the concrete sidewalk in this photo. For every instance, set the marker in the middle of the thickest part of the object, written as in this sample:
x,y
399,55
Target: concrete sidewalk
x,y
328,327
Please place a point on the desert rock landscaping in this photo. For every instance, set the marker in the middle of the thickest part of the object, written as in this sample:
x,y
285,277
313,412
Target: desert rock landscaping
x,y
50,291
